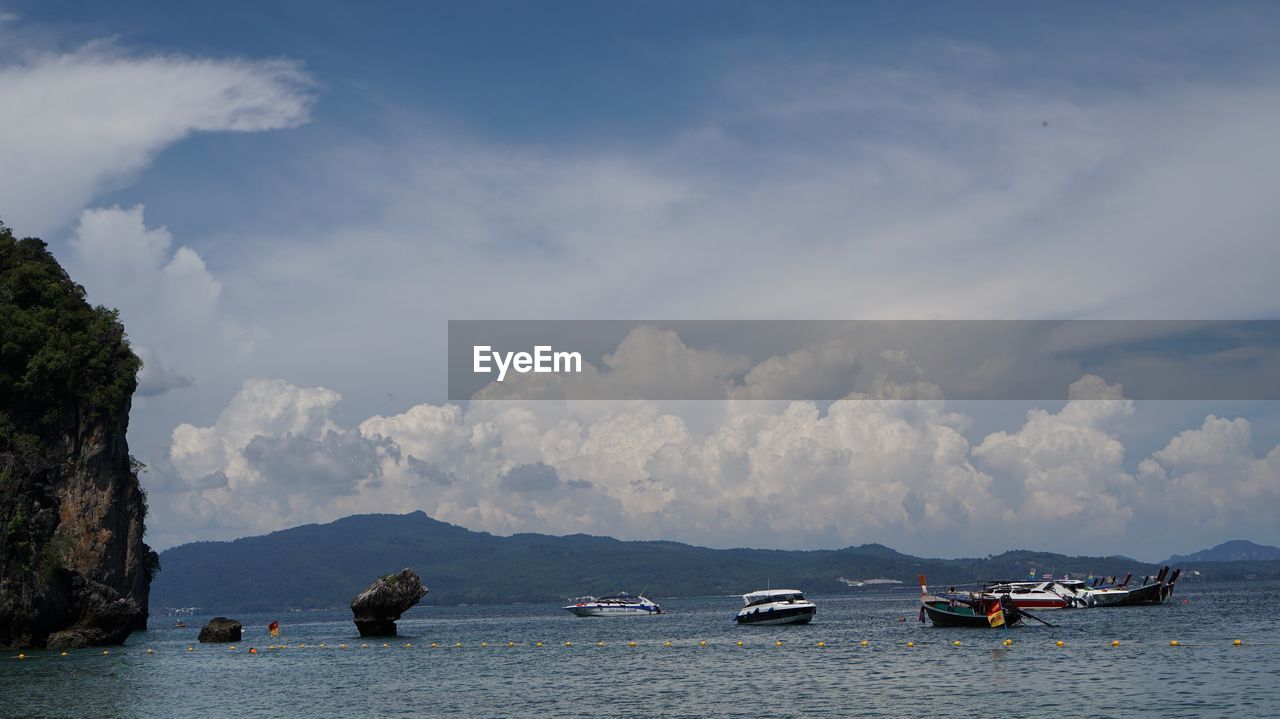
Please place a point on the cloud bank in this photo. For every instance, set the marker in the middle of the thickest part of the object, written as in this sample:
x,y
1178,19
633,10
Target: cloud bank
x,y
893,466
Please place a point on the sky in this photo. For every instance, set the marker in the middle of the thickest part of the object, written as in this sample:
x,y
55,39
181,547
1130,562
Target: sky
x,y
289,200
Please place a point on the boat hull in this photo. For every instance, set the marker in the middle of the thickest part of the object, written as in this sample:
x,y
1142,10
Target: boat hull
x,y
1146,594
634,610
777,615
944,616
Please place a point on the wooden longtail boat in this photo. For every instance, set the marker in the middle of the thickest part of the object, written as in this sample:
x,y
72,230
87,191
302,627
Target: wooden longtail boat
x,y
978,611
1155,591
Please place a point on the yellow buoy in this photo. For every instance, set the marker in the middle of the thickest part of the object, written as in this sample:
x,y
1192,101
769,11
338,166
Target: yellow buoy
x,y
457,645
386,646
864,643
1236,643
511,644
1175,643
822,644
1115,642
599,644
105,652
407,645
484,644
702,643
778,643
631,643
1061,643
537,644
150,651
956,643
364,646
342,646
65,654
22,656
1007,642
191,649
323,645
911,644
666,644
568,644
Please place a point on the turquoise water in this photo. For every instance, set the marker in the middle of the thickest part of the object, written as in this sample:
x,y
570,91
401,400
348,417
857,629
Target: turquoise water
x,y
1144,676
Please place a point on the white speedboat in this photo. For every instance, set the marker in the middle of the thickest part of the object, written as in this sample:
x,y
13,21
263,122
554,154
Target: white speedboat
x,y
1038,595
776,606
621,605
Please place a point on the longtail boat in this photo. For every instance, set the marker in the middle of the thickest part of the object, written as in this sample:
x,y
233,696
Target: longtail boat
x,y
978,610
1153,590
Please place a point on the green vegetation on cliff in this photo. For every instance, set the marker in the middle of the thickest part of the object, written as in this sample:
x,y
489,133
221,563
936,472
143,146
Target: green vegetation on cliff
x,y
62,361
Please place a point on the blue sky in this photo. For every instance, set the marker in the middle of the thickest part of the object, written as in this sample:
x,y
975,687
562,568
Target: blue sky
x,y
288,200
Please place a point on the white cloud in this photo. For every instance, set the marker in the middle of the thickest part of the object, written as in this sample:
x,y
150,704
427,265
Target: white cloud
x,y
762,473
155,378
167,298
76,123
1209,477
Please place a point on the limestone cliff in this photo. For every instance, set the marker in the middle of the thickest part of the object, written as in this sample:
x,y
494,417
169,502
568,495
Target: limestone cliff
x,y
74,570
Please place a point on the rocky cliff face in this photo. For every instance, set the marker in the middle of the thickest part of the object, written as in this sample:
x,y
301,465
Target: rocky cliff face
x,y
74,570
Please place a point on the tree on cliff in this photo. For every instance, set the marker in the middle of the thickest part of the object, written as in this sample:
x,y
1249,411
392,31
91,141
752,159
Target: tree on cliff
x,y
73,567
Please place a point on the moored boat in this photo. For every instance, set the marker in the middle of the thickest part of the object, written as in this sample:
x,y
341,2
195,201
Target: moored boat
x,y
978,610
1153,590
620,605
775,606
1035,595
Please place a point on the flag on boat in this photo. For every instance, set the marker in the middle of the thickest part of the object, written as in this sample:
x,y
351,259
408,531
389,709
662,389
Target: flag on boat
x,y
274,628
996,617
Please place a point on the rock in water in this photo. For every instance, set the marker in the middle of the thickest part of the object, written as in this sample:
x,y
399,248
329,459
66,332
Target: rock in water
x,y
221,629
377,608
74,570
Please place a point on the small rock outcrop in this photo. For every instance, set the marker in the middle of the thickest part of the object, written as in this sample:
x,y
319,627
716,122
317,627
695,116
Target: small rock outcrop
x,y
377,608
220,629
74,570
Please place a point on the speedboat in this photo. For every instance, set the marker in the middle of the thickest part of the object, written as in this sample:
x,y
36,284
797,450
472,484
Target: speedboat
x,y
1038,595
1023,595
776,606
619,605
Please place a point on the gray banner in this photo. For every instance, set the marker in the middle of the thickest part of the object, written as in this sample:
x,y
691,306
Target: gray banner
x,y
827,360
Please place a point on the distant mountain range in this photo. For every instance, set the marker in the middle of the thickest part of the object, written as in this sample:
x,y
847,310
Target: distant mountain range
x,y
1237,550
325,565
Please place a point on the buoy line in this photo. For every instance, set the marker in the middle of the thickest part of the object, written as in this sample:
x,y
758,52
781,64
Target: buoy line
x,y
687,643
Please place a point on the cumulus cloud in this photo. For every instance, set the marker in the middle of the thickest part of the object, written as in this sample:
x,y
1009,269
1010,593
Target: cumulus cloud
x,y
155,378
1209,477
273,452
889,466
81,121
1065,470
167,297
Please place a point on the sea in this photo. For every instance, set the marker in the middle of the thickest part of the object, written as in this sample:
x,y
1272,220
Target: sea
x,y
865,655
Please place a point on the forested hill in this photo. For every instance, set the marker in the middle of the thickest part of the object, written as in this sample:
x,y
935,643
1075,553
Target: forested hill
x,y
325,565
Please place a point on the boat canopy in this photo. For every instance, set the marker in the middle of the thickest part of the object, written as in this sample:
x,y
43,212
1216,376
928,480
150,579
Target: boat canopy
x,y
772,595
